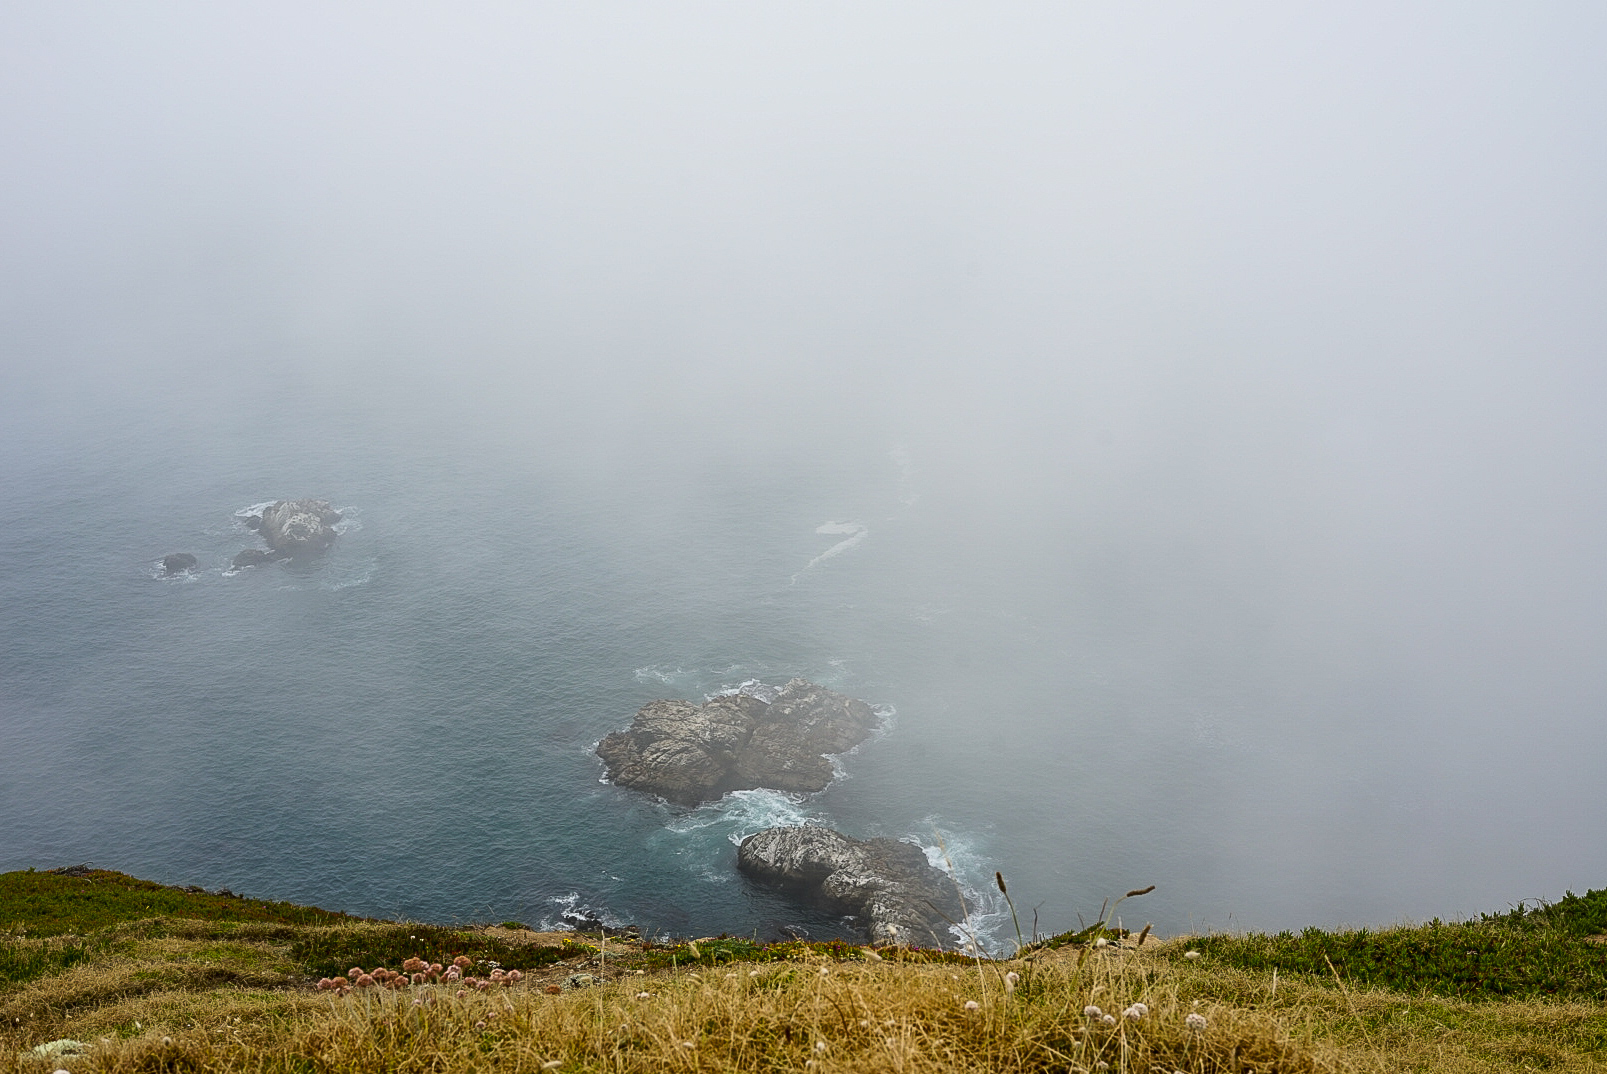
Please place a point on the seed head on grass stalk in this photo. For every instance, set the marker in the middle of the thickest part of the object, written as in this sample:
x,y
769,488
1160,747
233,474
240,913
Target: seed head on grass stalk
x,y
998,878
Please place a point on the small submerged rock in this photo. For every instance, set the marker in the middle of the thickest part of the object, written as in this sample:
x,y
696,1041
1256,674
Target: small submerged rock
x,y
691,754
251,557
888,885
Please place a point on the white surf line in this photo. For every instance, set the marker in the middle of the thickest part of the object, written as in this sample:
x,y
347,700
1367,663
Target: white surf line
x,y
856,534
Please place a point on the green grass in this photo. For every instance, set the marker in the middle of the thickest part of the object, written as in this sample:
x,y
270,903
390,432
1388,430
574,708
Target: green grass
x,y
23,960
1528,952
53,904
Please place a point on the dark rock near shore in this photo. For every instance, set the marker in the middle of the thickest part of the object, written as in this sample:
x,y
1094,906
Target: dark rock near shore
x,y
888,885
178,562
695,753
299,527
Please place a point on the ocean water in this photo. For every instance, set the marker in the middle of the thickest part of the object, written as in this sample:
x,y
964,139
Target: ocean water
x,y
1087,700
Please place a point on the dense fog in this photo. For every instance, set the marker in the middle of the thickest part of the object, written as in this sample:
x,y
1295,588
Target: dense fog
x,y
1247,356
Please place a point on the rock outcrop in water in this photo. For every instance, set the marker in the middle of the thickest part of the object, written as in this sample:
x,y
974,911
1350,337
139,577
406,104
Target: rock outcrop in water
x,y
178,563
298,527
695,753
291,528
889,886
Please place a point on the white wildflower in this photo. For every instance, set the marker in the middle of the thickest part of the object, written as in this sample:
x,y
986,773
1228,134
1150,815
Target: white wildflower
x,y
1109,1019
1011,979
1191,954
1195,1022
1091,1011
972,1005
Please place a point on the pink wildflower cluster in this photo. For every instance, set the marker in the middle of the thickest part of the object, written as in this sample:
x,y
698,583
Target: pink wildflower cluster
x,y
415,971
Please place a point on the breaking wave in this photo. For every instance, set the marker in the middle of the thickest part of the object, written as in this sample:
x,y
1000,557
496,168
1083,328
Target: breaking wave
x,y
569,912
741,813
987,922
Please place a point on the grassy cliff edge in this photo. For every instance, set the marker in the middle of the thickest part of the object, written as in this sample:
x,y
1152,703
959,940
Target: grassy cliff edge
x,y
103,971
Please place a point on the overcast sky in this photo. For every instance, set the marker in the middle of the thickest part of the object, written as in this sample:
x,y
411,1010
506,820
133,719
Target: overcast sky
x,y
924,201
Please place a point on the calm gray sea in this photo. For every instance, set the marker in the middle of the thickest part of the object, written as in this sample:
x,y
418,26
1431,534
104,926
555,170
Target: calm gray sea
x,y
1087,701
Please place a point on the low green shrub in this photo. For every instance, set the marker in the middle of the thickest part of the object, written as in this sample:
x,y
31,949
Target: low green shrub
x,y
720,950
1576,915
1528,955
331,952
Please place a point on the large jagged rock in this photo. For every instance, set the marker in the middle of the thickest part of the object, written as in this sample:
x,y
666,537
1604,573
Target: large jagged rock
x,y
299,527
291,528
695,753
898,896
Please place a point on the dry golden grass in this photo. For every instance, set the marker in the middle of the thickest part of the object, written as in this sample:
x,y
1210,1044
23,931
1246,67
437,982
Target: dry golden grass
x,y
1382,1030
164,983
904,1019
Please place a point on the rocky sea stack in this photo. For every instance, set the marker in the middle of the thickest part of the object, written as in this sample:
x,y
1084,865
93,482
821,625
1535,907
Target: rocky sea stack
x,y
898,896
291,528
691,754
